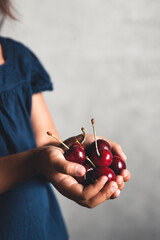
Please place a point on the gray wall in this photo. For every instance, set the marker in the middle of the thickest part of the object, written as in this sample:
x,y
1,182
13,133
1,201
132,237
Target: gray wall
x,y
104,59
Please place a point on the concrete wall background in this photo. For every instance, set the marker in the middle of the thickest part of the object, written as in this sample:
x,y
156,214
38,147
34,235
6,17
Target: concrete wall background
x,y
104,59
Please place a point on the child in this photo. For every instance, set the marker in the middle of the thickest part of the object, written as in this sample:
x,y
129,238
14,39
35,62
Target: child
x,y
29,163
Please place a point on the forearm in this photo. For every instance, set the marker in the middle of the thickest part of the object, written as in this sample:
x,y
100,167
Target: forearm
x,y
16,168
42,121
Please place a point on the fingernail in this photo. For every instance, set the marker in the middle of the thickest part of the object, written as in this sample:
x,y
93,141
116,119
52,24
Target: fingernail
x,y
118,193
124,155
80,171
120,180
114,187
125,174
105,179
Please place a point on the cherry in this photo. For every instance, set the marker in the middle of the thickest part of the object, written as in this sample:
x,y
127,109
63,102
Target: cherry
x,y
88,176
117,165
103,160
104,171
101,144
99,152
76,153
78,144
97,158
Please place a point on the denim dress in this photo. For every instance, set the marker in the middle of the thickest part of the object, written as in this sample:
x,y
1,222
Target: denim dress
x,y
30,210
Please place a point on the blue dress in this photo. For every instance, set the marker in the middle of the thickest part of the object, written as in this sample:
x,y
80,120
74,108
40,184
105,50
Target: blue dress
x,y
30,210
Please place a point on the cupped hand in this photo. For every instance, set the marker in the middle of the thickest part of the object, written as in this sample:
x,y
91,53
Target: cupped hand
x,y
125,174
116,150
61,173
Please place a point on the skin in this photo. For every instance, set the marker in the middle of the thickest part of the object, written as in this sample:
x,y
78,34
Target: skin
x,y
48,159
2,61
120,179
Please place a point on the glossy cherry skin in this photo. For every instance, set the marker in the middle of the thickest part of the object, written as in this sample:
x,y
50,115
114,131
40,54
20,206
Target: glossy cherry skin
x,y
104,160
102,144
88,176
104,171
117,165
78,144
75,154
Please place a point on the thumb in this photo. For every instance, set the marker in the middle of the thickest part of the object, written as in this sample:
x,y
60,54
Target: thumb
x,y
71,168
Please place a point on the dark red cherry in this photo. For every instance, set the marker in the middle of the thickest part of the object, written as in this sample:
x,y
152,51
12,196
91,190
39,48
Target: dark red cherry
x,y
75,153
101,144
104,160
117,165
104,171
87,178
78,144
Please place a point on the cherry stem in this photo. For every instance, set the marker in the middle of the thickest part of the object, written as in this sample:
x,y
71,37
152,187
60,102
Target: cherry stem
x,y
84,135
88,159
95,139
80,144
51,134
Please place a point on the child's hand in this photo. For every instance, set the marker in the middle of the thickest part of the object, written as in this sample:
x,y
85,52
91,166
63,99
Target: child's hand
x,y
125,174
61,173
116,149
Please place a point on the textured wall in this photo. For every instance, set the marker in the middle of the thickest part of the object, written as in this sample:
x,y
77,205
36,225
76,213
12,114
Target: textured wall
x,y
104,59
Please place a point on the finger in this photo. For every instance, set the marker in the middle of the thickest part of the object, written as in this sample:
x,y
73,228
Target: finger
x,y
116,194
120,182
70,168
126,175
70,188
67,185
117,150
64,166
103,195
93,189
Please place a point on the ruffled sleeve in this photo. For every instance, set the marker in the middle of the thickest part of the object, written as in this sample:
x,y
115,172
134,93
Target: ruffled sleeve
x,y
40,79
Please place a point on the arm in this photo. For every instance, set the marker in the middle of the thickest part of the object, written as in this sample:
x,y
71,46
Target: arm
x,y
18,167
49,161
42,121
64,183
15,168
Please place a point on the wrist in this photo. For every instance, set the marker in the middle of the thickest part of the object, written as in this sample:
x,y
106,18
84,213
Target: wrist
x,y
36,160
39,158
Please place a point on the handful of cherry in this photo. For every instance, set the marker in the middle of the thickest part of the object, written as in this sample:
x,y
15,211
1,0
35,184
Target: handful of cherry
x,y
98,159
